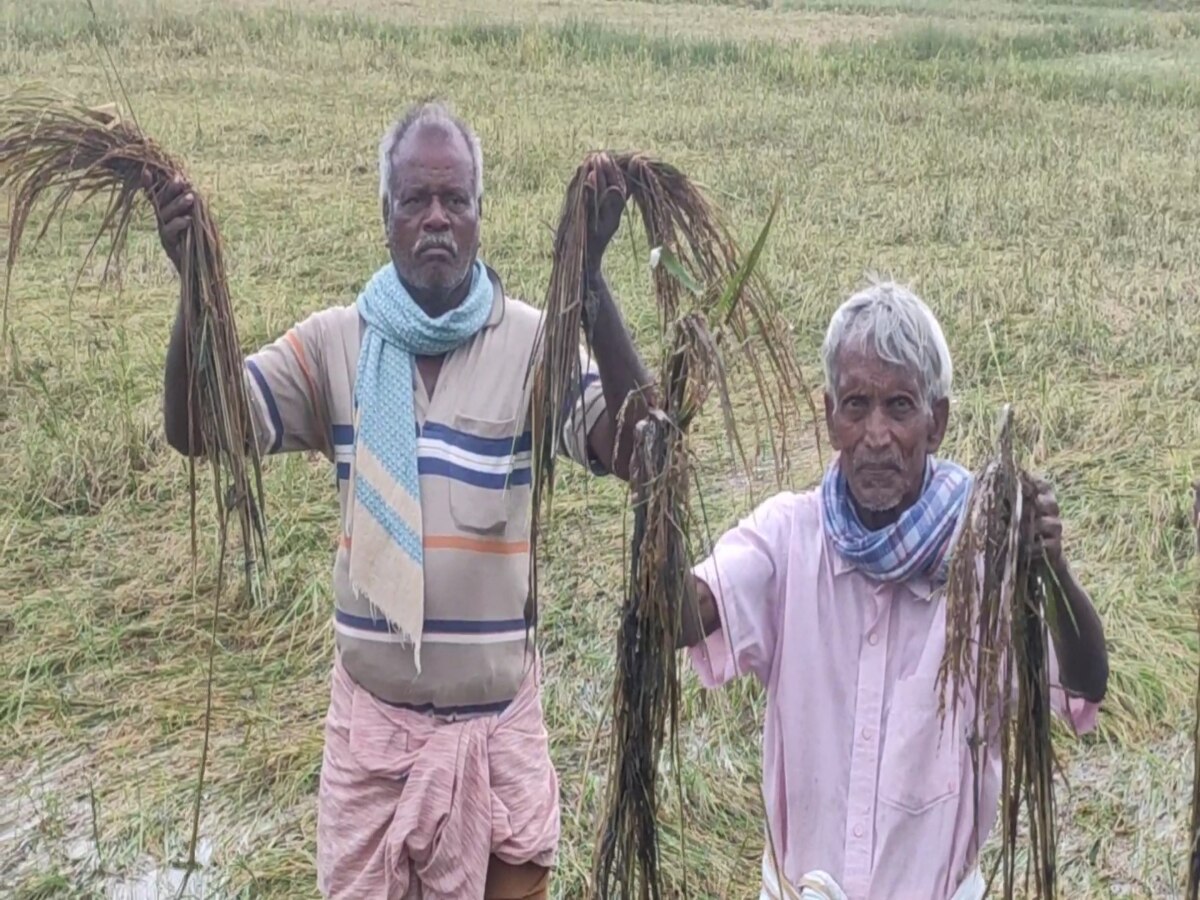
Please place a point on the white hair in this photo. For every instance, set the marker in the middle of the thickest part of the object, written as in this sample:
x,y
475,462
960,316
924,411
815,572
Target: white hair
x,y
421,115
895,323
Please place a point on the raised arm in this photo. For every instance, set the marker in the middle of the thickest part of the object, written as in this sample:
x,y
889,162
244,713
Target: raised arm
x,y
1079,635
286,382
173,205
627,386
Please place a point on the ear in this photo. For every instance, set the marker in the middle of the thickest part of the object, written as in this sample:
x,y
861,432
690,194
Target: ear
x,y
830,408
479,207
385,208
938,423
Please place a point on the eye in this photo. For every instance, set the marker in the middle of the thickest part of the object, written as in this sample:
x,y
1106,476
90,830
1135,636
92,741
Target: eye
x,y
854,404
902,405
412,202
457,203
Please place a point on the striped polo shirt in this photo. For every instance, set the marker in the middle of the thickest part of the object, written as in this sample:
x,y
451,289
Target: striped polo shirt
x,y
474,459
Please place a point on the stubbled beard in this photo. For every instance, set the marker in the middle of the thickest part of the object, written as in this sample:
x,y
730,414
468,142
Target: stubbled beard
x,y
879,506
443,285
883,501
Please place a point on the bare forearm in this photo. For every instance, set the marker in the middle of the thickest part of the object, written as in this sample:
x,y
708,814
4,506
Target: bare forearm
x,y
176,400
1079,640
626,384
700,616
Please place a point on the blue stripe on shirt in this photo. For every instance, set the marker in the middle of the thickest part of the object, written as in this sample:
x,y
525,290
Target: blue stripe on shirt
x,y
496,481
343,471
465,626
343,435
272,408
433,626
569,401
505,446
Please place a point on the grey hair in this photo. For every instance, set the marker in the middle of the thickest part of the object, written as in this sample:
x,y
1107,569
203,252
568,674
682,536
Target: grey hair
x,y
900,328
420,115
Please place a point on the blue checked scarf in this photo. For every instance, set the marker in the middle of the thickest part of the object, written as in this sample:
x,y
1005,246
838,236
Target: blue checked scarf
x,y
386,557
917,543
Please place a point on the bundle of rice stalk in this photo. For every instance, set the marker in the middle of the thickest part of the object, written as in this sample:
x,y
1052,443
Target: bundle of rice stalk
x,y
57,148
698,266
1001,599
1193,881
60,149
707,297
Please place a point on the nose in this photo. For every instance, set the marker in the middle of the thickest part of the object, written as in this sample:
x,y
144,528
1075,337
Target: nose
x,y
878,433
436,219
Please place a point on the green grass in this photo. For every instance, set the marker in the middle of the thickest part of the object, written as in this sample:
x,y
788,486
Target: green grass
x,y
1031,167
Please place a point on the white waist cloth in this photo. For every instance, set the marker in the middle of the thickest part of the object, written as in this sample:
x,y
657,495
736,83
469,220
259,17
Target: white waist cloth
x,y
818,885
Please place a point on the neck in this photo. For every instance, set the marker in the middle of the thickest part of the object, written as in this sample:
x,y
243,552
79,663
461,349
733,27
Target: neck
x,y
436,302
875,519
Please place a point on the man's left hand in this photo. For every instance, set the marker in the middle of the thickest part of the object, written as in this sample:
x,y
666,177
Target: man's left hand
x,y
1047,524
606,193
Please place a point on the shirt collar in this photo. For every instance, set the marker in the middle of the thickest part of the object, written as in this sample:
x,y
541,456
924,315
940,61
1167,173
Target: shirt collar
x,y
920,588
497,314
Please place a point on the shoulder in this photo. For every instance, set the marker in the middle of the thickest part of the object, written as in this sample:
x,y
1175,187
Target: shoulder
x,y
778,522
791,508
521,316
517,331
333,322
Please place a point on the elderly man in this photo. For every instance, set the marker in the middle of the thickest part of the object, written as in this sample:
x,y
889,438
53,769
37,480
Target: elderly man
x,y
830,599
436,781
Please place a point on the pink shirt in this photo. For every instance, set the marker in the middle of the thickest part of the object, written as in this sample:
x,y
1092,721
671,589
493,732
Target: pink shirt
x,y
860,779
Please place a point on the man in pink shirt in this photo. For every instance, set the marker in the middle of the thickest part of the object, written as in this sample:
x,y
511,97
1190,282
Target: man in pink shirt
x,y
830,598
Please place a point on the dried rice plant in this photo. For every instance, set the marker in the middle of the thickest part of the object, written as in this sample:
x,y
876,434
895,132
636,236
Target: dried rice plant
x,y
1193,882
57,148
707,297
1000,597
699,267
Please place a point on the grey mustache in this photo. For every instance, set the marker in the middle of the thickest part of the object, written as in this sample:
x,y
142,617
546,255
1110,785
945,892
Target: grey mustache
x,y
437,242
877,464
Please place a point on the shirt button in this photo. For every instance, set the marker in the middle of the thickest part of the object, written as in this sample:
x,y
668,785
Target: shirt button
x,y
866,733
858,831
872,639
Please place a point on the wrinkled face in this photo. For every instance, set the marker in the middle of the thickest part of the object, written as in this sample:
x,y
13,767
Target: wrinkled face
x,y
432,220
883,429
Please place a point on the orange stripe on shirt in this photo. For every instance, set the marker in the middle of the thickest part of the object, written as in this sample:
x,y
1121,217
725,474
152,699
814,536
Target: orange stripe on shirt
x,y
478,545
298,348
453,542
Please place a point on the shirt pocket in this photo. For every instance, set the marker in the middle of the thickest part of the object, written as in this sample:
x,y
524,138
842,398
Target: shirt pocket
x,y
489,494
920,767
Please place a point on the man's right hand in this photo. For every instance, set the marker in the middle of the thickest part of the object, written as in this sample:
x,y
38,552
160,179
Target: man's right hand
x,y
173,203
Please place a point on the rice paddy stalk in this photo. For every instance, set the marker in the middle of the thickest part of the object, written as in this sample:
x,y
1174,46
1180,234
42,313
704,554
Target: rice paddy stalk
x,y
1193,880
55,149
999,597
708,298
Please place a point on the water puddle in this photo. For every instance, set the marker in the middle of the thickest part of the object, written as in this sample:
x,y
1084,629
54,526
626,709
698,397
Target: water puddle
x,y
165,883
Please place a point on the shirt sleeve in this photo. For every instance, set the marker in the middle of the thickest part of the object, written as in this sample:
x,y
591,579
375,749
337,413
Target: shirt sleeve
x,y
747,575
584,406
287,387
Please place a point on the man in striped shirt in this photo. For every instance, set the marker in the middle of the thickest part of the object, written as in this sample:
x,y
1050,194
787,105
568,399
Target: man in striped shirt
x,y
436,780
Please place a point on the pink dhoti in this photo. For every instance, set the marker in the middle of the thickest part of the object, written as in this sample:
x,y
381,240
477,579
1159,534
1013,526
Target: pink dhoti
x,y
410,807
